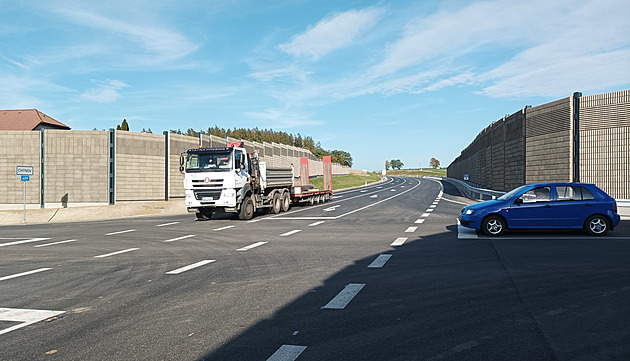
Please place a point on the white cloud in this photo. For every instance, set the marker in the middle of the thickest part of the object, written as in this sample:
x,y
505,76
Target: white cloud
x,y
280,118
331,33
106,92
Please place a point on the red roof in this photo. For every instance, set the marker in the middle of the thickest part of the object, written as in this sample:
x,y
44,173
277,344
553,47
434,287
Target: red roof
x,y
27,119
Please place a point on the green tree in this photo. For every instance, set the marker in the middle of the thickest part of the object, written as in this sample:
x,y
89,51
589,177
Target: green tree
x,y
124,126
396,164
434,163
345,157
118,127
387,165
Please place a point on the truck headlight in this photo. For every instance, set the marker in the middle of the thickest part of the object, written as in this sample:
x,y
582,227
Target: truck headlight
x,y
228,193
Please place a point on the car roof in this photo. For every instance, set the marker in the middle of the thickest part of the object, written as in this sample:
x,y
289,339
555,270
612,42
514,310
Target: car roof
x,y
558,184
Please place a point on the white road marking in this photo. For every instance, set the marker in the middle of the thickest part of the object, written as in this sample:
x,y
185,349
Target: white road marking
x,y
419,221
24,241
333,208
344,297
179,238
411,229
54,243
115,253
425,215
291,232
287,353
188,268
450,200
433,206
316,224
223,228
429,210
252,246
120,232
255,220
24,316
465,232
374,196
399,241
380,261
363,191
393,190
166,224
24,274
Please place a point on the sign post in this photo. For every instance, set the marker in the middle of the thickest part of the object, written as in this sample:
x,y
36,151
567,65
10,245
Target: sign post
x,y
25,172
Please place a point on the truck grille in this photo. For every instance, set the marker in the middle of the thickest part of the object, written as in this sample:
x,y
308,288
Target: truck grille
x,y
207,193
200,183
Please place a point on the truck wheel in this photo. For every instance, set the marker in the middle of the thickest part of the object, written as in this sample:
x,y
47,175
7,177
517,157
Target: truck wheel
x,y
203,215
276,203
286,202
247,209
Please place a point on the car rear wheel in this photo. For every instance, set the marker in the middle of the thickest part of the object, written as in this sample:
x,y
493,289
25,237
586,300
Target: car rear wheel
x,y
493,226
597,225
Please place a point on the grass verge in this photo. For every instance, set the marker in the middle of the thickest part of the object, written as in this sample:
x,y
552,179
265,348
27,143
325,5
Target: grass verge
x,y
417,172
348,181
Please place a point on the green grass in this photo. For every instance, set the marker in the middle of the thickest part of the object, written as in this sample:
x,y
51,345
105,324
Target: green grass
x,y
418,172
347,181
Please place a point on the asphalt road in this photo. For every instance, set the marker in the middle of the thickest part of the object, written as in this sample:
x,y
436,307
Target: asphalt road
x,y
378,273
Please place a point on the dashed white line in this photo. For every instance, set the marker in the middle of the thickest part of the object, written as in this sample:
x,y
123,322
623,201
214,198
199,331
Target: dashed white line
x,y
411,229
290,232
120,232
425,215
316,224
55,243
24,241
252,246
429,210
287,353
179,238
166,224
419,221
380,261
432,206
188,268
399,241
115,253
223,228
24,274
344,297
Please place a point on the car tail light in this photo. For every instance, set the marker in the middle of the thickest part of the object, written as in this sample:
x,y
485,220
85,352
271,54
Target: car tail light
x,y
615,203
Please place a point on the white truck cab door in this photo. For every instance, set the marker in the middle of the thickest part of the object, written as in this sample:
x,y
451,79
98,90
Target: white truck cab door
x,y
240,168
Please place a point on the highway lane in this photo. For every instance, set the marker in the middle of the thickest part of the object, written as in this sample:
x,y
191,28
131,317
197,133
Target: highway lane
x,y
398,282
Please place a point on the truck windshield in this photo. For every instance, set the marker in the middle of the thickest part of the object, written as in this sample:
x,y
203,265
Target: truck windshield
x,y
209,162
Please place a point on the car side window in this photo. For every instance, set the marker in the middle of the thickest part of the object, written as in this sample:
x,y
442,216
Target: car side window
x,y
569,193
540,194
587,195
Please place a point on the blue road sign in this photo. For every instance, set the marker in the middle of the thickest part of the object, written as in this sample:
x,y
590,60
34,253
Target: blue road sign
x,y
25,178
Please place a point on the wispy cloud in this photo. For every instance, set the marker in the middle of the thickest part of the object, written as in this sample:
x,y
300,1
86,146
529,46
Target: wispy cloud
x,y
106,92
332,33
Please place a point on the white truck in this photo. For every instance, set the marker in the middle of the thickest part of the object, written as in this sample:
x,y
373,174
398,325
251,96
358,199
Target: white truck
x,y
229,180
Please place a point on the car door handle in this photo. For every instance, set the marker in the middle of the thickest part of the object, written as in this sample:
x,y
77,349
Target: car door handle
x,y
588,205
548,206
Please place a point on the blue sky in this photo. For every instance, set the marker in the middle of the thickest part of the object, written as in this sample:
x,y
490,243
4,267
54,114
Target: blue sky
x,y
383,80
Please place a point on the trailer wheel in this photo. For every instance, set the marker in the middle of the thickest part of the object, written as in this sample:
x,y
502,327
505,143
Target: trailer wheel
x,y
276,203
286,202
247,209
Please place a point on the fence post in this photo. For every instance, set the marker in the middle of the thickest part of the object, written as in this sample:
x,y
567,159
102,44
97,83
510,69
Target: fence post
x,y
576,136
166,161
42,151
112,166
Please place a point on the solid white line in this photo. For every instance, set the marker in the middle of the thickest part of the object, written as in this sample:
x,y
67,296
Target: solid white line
x,y
188,268
255,220
54,243
411,229
120,232
316,224
344,297
25,241
115,253
381,201
223,228
291,232
252,246
399,241
24,316
287,353
380,261
166,224
179,238
465,232
419,221
425,215
24,274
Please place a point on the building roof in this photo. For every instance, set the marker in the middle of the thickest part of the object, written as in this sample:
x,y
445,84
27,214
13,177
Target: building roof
x,y
27,119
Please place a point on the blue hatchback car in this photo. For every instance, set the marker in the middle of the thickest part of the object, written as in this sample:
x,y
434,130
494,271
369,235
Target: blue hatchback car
x,y
545,206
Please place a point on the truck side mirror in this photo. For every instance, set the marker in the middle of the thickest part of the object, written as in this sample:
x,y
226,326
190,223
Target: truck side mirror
x,y
518,200
243,161
181,163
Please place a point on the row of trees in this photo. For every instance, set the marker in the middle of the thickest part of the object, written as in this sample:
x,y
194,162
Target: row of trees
x,y
269,136
397,164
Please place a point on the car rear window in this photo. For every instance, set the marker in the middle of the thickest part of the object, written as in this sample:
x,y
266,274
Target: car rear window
x,y
574,193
